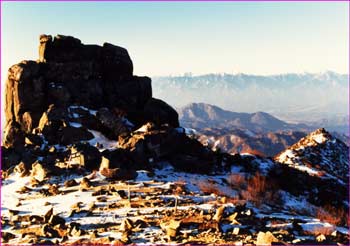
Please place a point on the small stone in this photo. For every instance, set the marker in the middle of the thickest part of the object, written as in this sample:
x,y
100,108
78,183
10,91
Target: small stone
x,y
320,238
23,189
85,184
13,212
48,215
57,220
91,206
126,225
39,172
70,183
235,231
171,227
36,219
265,238
49,232
22,169
52,149
94,235
101,199
219,213
7,236
76,206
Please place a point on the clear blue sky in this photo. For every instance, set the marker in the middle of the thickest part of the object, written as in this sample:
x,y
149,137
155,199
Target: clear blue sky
x,y
198,37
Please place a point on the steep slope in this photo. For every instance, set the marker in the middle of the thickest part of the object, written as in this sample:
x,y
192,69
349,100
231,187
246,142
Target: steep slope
x,y
247,141
319,153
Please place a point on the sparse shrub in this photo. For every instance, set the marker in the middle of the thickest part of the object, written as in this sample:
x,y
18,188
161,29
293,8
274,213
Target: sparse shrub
x,y
260,190
237,181
210,188
332,215
323,230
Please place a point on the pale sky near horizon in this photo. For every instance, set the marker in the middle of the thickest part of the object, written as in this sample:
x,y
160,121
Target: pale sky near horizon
x,y
166,38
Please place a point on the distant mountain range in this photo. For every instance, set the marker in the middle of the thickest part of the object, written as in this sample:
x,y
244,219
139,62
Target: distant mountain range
x,y
301,98
201,115
232,132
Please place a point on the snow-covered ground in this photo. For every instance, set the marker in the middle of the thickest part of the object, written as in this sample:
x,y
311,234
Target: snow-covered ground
x,y
151,198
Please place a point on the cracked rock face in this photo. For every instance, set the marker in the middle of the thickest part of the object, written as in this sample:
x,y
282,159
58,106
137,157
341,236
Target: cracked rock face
x,y
71,73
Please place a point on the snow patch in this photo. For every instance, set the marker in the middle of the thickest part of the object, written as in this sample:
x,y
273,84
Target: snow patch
x,y
102,140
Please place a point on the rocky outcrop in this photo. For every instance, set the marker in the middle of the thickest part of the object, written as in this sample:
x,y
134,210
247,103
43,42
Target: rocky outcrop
x,y
80,107
71,73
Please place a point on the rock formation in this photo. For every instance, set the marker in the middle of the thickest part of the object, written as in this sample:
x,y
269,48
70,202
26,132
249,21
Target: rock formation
x,y
74,89
71,73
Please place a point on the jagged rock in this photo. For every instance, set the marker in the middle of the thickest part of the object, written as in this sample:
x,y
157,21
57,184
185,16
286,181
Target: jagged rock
x,y
265,238
117,125
49,232
39,172
22,169
51,123
219,213
126,225
7,236
40,95
85,155
113,159
321,238
69,135
24,91
13,136
32,139
171,228
85,184
48,215
119,173
9,157
70,183
56,220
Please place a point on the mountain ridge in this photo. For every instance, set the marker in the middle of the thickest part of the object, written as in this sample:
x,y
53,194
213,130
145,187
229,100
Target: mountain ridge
x,y
202,115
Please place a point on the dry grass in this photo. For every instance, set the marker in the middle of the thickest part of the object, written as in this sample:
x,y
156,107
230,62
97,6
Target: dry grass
x,y
210,188
237,181
261,190
256,189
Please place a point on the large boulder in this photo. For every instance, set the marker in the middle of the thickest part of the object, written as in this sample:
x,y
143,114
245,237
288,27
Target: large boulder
x,y
116,125
85,156
160,112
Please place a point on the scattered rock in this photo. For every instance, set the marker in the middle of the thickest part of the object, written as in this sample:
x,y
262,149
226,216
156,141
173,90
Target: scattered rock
x,y
7,236
171,228
39,172
70,183
119,174
219,213
85,184
22,169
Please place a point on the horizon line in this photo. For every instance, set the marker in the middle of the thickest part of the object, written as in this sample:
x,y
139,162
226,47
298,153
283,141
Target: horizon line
x,y
191,74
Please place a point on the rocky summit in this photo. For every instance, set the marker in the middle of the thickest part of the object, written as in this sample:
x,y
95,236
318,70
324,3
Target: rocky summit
x,y
75,90
90,157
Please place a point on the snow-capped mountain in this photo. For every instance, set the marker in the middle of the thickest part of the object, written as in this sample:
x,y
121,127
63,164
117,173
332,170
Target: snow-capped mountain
x,y
319,154
291,96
